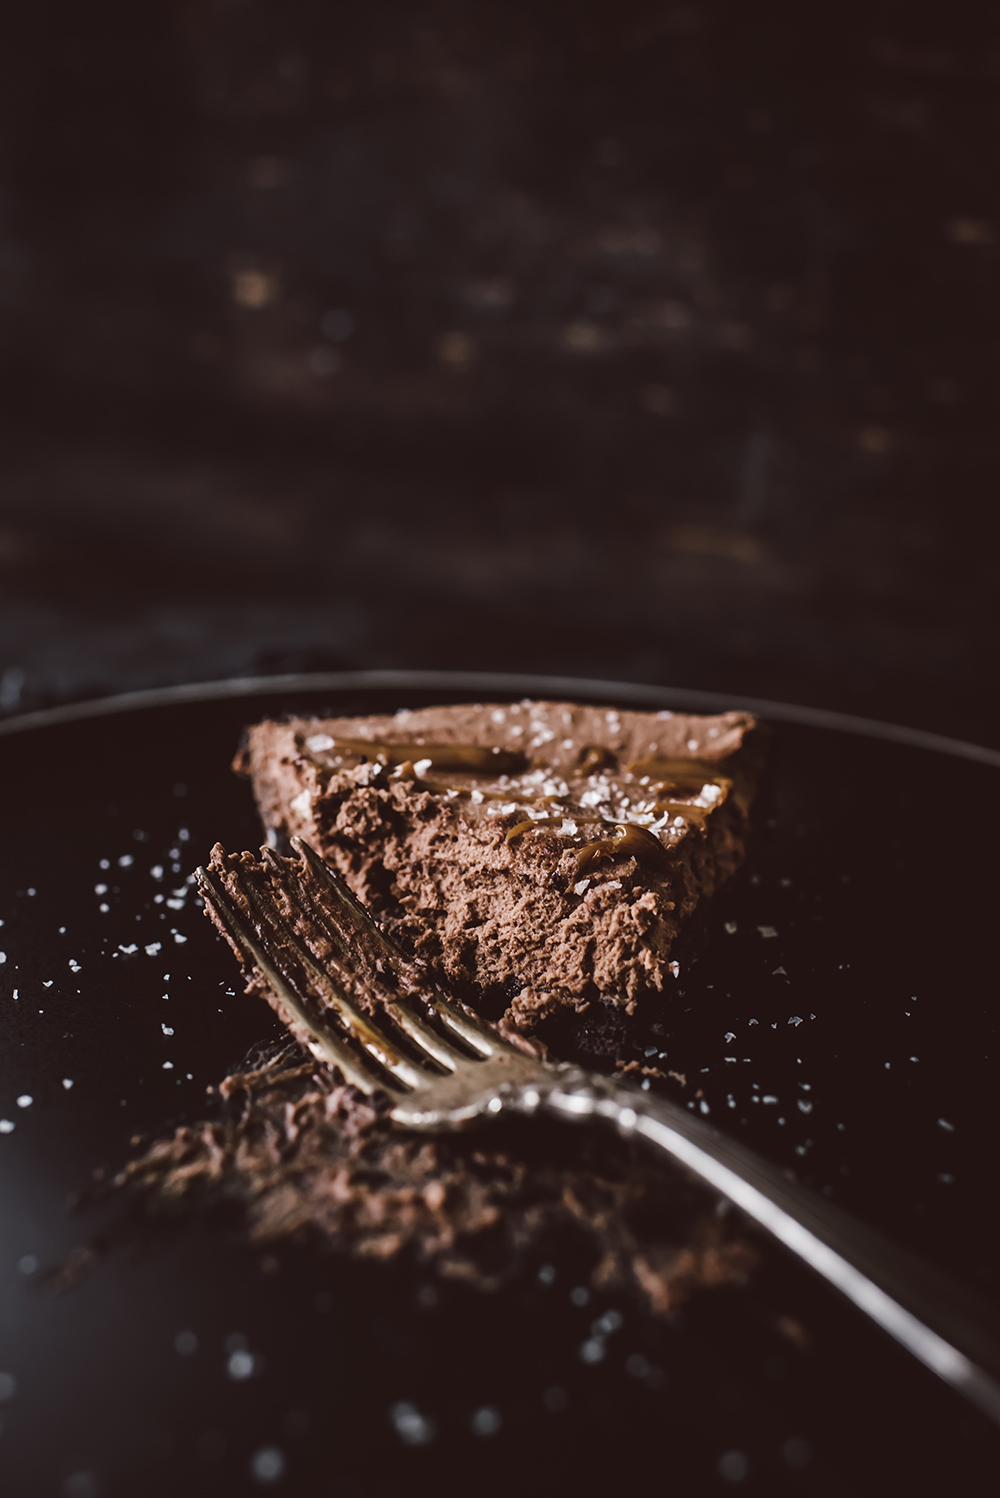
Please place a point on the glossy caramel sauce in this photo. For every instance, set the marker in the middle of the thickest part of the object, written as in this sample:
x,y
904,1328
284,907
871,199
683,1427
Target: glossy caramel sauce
x,y
695,814
468,758
662,778
531,822
629,841
592,759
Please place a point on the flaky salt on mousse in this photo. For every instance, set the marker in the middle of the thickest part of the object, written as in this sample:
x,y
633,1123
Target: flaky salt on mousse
x,y
540,856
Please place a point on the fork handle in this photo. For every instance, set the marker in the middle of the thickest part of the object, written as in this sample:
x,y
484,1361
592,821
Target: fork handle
x,y
948,1328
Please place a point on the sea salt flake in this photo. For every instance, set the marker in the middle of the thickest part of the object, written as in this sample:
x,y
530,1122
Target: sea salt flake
x,y
730,928
767,932
729,1035
178,938
794,1019
301,804
167,1029
944,1124
803,1106
67,1083
153,948
675,968
6,1127
25,1100
568,828
74,965
422,766
581,887
318,742
779,972
129,949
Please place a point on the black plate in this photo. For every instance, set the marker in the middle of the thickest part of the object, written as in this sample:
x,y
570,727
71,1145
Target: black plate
x,y
841,1017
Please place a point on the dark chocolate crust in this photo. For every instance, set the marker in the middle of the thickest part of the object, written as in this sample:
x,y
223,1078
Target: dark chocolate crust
x,y
508,876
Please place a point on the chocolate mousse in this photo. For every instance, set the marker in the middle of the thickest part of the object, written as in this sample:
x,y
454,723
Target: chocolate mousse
x,y
542,857
309,1159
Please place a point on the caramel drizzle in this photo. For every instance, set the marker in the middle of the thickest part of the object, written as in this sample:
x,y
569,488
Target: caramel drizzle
x,y
408,773
592,759
694,814
629,841
470,758
530,822
683,776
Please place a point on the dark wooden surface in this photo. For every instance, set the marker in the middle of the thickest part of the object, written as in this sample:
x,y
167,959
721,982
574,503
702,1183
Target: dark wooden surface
x,y
648,340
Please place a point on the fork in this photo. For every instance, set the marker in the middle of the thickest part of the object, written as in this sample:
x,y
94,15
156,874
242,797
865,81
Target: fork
x,y
442,1068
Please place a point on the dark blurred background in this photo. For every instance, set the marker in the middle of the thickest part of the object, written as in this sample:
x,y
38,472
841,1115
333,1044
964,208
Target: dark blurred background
x,y
630,339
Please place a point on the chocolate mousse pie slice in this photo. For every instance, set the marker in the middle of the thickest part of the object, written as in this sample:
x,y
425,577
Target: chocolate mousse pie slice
x,y
539,856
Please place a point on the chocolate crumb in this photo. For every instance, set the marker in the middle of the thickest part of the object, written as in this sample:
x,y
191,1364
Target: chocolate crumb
x,y
306,1157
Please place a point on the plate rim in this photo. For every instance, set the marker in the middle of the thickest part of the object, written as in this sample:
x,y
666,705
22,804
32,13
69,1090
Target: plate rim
x,y
638,694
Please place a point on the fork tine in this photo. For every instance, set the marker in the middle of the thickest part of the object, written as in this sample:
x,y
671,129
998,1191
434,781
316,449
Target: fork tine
x,y
461,1021
436,1046
359,913
325,1044
467,1026
427,1040
370,1035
